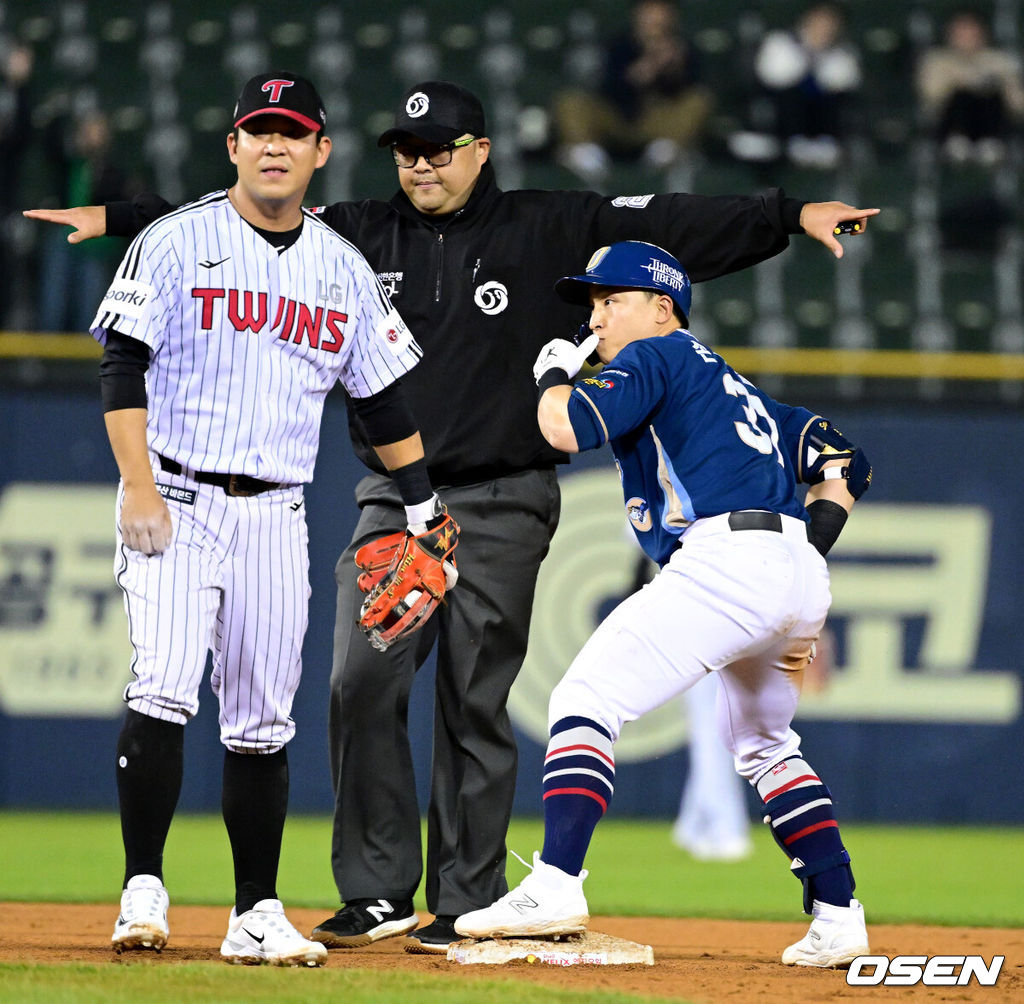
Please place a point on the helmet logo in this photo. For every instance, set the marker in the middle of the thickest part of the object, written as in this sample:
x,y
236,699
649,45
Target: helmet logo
x,y
491,297
665,274
417,105
595,258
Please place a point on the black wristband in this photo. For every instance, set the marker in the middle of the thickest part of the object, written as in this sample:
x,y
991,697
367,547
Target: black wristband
x,y
827,521
413,482
553,377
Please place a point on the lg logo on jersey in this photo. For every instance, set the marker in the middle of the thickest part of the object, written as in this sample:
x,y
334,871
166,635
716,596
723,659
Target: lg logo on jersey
x,y
937,971
248,311
491,297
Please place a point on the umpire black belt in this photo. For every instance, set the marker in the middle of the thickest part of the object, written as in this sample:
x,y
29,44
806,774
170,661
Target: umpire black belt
x,y
240,485
755,519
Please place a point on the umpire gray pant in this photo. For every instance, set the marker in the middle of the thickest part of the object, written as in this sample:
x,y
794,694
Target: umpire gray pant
x,y
481,632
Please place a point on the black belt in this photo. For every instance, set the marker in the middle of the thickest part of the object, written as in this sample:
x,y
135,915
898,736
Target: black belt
x,y
750,519
240,485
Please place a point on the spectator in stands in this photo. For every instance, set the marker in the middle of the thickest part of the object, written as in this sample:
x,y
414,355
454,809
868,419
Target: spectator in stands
x,y
970,91
807,77
75,281
15,128
650,100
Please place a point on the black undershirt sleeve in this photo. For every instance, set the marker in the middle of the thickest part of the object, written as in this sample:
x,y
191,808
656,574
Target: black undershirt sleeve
x,y
385,415
123,372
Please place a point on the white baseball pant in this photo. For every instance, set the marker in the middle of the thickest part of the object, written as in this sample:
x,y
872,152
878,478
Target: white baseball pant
x,y
747,604
234,580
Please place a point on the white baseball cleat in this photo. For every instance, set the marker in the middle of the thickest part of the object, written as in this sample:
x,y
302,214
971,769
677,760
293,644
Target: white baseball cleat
x,y
142,922
547,902
264,936
836,937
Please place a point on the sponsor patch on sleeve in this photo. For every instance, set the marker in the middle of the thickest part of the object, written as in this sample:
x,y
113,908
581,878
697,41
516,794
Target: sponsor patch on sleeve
x,y
395,332
128,298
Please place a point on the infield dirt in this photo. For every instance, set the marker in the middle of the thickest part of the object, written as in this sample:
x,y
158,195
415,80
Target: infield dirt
x,y
707,961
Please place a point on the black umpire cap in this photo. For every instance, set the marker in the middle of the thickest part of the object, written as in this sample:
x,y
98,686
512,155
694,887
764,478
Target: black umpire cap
x,y
281,94
437,112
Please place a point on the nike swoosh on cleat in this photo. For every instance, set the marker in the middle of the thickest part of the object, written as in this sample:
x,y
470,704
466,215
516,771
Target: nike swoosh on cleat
x,y
214,264
258,940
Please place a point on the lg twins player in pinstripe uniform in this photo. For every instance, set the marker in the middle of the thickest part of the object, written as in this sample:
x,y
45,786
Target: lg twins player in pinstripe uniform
x,y
226,325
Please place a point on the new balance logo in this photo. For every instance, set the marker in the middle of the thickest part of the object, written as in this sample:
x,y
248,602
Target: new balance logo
x,y
377,912
524,904
214,264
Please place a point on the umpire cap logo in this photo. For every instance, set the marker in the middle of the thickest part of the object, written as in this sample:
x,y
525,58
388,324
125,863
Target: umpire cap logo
x,y
417,105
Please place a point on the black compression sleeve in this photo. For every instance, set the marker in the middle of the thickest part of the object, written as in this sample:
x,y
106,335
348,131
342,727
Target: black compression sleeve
x,y
827,521
385,416
123,372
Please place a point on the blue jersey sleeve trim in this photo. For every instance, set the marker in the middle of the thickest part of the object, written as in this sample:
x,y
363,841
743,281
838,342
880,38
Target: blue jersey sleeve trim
x,y
587,423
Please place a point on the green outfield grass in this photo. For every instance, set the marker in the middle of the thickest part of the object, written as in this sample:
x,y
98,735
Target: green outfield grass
x,y
953,876
936,875
82,984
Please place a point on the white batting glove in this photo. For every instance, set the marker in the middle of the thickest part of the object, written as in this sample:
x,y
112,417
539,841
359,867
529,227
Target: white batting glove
x,y
562,354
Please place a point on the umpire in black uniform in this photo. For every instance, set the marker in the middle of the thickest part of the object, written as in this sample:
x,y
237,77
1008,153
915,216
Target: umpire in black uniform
x,y
471,270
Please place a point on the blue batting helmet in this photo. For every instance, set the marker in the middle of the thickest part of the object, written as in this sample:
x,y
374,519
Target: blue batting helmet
x,y
632,265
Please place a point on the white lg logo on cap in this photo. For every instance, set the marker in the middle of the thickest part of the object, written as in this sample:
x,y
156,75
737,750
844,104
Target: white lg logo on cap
x,y
417,105
491,297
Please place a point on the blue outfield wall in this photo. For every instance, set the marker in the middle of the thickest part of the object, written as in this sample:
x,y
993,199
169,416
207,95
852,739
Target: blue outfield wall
x,y
917,717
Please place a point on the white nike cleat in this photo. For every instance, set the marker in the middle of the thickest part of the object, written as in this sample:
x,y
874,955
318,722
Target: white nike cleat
x,y
142,922
836,937
547,902
264,936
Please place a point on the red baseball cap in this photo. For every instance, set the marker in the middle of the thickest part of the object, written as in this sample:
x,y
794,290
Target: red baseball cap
x,y
281,94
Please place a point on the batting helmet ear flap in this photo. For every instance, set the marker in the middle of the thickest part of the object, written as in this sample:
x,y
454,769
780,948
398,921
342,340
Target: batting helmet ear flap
x,y
580,337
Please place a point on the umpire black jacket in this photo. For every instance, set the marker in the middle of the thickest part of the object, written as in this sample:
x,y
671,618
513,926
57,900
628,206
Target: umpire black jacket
x,y
476,288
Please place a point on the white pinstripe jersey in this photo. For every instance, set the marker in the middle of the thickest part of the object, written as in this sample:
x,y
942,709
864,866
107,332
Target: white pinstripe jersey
x,y
246,341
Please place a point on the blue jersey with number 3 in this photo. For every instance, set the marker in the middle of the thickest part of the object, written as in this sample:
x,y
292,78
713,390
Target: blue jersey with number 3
x,y
691,437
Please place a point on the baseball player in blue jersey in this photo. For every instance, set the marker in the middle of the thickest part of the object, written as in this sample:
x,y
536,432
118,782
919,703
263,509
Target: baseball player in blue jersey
x,y
709,468
228,322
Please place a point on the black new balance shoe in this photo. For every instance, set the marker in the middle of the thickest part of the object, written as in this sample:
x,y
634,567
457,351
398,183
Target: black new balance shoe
x,y
434,938
364,921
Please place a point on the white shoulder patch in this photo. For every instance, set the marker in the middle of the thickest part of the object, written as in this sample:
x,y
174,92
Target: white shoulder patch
x,y
395,332
128,297
631,201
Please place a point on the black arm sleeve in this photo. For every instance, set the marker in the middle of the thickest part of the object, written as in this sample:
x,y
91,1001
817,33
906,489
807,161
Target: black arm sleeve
x,y
385,416
123,372
827,521
126,219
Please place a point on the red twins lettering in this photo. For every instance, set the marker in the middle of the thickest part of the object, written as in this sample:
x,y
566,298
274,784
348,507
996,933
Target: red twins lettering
x,y
241,321
207,296
274,88
295,322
